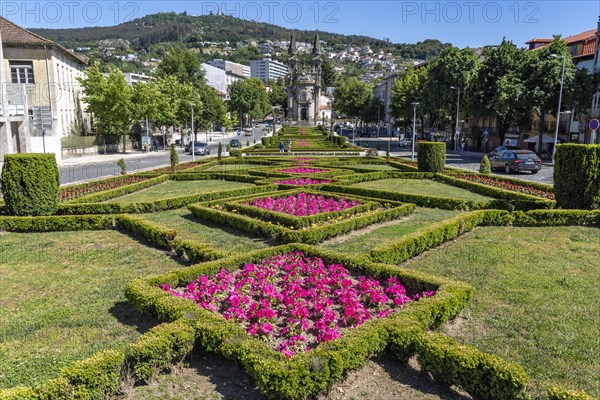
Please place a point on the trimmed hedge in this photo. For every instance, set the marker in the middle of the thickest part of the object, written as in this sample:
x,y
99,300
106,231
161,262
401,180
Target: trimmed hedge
x,y
396,251
196,251
120,191
577,176
431,156
161,347
305,374
483,376
96,377
152,232
30,184
57,223
562,393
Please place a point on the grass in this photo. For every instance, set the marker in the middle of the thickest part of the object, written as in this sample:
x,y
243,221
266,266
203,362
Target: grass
x,y
62,299
537,299
364,240
189,227
422,186
232,167
179,188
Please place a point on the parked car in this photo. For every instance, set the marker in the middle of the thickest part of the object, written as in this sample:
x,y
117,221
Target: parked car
x,y
500,149
516,161
404,143
201,149
234,143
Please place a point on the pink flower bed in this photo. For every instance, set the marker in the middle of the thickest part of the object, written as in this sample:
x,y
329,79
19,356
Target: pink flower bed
x,y
304,181
295,301
301,170
303,143
303,204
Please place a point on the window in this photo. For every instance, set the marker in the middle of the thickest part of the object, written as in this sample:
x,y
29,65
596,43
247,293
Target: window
x,y
21,71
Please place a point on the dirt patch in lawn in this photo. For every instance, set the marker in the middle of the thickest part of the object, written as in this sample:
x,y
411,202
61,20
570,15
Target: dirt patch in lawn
x,y
210,376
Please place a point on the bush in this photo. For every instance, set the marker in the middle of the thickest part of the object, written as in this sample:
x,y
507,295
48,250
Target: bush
x,y
483,376
235,153
154,233
561,393
174,157
484,166
56,223
121,164
228,148
387,152
431,156
372,152
220,151
160,347
577,176
96,377
30,184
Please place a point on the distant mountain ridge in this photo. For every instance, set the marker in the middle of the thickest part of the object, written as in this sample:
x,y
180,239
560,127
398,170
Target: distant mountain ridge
x,y
183,28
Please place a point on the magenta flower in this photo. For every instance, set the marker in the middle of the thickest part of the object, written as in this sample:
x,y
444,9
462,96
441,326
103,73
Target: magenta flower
x,y
303,204
304,181
295,301
301,170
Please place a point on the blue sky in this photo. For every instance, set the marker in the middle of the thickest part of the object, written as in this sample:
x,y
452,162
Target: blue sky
x,y
463,23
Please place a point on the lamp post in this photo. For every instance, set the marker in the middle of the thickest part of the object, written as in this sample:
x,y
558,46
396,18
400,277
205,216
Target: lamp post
x,y
147,136
414,133
562,78
192,105
456,132
378,120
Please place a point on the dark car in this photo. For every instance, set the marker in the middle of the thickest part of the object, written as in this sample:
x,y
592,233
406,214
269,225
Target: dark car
x,y
500,149
516,161
201,148
234,143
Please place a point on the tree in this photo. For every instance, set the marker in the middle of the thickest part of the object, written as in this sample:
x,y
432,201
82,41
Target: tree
x,y
453,68
220,150
109,99
373,110
351,97
583,88
249,97
499,86
328,75
277,95
184,65
406,91
543,72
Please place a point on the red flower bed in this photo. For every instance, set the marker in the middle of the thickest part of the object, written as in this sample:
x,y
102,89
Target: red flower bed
x,y
301,170
303,204
303,143
502,184
85,189
304,181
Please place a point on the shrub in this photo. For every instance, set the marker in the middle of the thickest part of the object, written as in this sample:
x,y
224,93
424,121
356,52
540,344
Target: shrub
x,y
160,347
483,376
121,164
577,176
247,143
372,153
378,146
228,148
17,393
30,184
235,153
96,377
174,157
220,151
431,156
154,233
484,166
561,393
387,152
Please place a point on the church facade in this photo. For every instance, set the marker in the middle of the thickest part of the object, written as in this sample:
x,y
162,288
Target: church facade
x,y
304,85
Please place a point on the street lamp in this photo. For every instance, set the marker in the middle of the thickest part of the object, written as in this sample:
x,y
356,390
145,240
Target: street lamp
x,y
273,108
378,118
192,105
562,78
412,156
456,132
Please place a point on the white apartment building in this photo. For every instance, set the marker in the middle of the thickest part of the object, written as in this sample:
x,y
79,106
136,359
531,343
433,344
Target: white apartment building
x,y
39,92
232,67
267,69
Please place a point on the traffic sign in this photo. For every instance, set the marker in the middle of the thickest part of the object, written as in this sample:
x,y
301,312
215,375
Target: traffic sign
x,y
239,132
432,130
594,124
163,128
486,132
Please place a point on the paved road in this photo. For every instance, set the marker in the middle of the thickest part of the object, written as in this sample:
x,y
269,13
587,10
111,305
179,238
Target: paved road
x,y
75,170
467,160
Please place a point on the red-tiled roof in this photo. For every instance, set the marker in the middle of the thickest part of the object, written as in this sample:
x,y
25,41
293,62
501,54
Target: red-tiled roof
x,y
589,48
14,35
536,40
587,35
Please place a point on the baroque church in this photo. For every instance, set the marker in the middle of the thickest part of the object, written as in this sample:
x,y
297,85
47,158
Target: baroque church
x,y
304,85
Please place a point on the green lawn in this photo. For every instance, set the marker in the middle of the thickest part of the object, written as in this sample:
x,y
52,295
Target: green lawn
x,y
62,299
426,187
537,299
233,167
375,167
366,239
179,188
189,227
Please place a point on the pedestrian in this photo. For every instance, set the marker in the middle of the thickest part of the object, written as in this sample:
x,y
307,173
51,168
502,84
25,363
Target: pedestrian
x,y
155,145
281,147
289,143
462,145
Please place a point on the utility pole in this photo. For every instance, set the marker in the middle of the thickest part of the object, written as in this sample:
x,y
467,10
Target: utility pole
x,y
414,133
193,134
